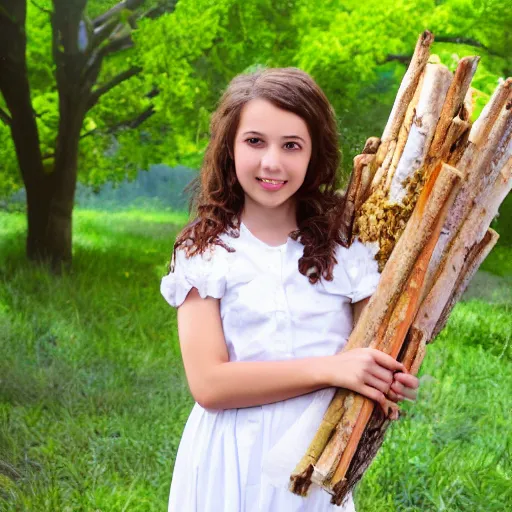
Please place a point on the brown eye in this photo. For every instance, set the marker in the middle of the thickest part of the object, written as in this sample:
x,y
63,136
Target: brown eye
x,y
292,145
253,141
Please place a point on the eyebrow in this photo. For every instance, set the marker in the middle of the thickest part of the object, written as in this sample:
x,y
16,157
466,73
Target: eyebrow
x,y
283,137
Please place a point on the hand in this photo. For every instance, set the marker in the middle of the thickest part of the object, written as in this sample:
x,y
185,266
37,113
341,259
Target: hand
x,y
404,387
369,372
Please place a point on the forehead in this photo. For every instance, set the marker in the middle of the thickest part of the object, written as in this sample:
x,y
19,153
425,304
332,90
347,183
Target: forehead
x,y
260,115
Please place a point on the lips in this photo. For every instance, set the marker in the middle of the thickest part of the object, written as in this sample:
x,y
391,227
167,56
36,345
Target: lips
x,y
270,184
271,181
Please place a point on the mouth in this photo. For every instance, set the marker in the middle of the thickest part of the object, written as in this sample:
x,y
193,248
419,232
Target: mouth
x,y
272,182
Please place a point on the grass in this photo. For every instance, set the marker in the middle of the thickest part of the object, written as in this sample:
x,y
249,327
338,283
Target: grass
x,y
93,397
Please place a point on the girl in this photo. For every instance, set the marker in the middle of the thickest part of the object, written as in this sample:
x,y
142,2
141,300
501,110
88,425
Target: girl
x,y
266,295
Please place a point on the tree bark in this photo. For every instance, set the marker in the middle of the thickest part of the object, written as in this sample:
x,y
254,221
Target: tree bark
x,y
15,89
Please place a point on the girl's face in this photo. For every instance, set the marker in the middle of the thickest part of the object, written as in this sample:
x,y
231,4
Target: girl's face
x,y
272,149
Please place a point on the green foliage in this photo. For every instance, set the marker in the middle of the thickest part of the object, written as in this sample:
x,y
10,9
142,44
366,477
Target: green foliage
x,y
189,56
94,397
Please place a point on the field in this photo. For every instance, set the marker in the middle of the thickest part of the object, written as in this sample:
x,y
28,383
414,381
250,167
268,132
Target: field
x,y
94,398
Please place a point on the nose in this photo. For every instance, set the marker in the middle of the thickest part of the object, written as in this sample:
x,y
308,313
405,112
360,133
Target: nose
x,y
270,160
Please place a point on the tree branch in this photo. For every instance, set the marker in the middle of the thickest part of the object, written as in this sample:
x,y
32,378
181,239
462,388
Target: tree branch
x,y
116,45
135,123
96,59
404,59
125,4
5,117
41,8
121,77
460,40
126,124
469,41
103,32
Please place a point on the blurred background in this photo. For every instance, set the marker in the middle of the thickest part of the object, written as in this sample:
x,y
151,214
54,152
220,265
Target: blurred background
x,y
104,115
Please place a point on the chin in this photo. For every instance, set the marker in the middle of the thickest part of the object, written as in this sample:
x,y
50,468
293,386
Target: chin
x,y
267,202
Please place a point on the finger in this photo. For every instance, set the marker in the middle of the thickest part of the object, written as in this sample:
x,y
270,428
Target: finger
x,y
382,374
376,383
407,380
394,413
394,397
387,361
376,396
406,392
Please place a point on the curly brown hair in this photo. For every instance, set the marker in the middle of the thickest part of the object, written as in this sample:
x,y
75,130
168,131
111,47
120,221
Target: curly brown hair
x,y
218,198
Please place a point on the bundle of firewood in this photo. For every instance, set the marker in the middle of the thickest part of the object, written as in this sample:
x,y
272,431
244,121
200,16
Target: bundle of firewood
x,y
423,197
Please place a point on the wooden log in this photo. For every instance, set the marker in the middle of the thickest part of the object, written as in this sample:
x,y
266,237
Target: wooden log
x,y
482,164
417,336
476,256
367,173
408,86
371,146
357,187
300,479
483,125
459,132
436,82
382,169
410,114
453,105
324,468
472,231
404,95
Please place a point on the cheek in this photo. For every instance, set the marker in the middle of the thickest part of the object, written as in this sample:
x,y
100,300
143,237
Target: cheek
x,y
302,166
245,161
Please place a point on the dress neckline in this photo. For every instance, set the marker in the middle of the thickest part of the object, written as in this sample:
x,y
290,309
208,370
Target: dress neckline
x,y
281,247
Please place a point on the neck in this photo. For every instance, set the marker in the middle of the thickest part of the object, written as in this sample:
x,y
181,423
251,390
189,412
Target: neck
x,y
280,220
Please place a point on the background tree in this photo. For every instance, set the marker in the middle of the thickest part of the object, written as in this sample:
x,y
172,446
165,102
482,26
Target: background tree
x,y
79,45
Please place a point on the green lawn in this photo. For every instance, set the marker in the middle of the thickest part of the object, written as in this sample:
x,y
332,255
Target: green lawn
x,y
94,398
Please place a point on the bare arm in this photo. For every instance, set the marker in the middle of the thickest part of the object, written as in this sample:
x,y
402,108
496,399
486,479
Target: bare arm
x,y
216,383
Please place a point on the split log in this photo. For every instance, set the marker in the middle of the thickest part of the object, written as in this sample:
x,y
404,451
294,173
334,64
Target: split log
x,y
483,125
357,190
405,94
436,83
473,230
453,108
418,339
483,159
476,256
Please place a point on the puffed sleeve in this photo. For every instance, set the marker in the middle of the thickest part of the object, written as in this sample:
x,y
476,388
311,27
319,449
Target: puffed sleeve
x,y
206,272
362,270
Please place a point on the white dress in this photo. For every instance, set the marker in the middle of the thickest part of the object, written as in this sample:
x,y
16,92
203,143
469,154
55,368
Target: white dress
x,y
269,312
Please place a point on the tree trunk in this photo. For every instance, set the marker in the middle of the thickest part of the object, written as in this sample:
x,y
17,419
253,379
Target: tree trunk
x,y
59,223
15,89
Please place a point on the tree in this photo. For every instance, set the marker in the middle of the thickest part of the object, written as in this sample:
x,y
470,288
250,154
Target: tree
x,y
79,47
